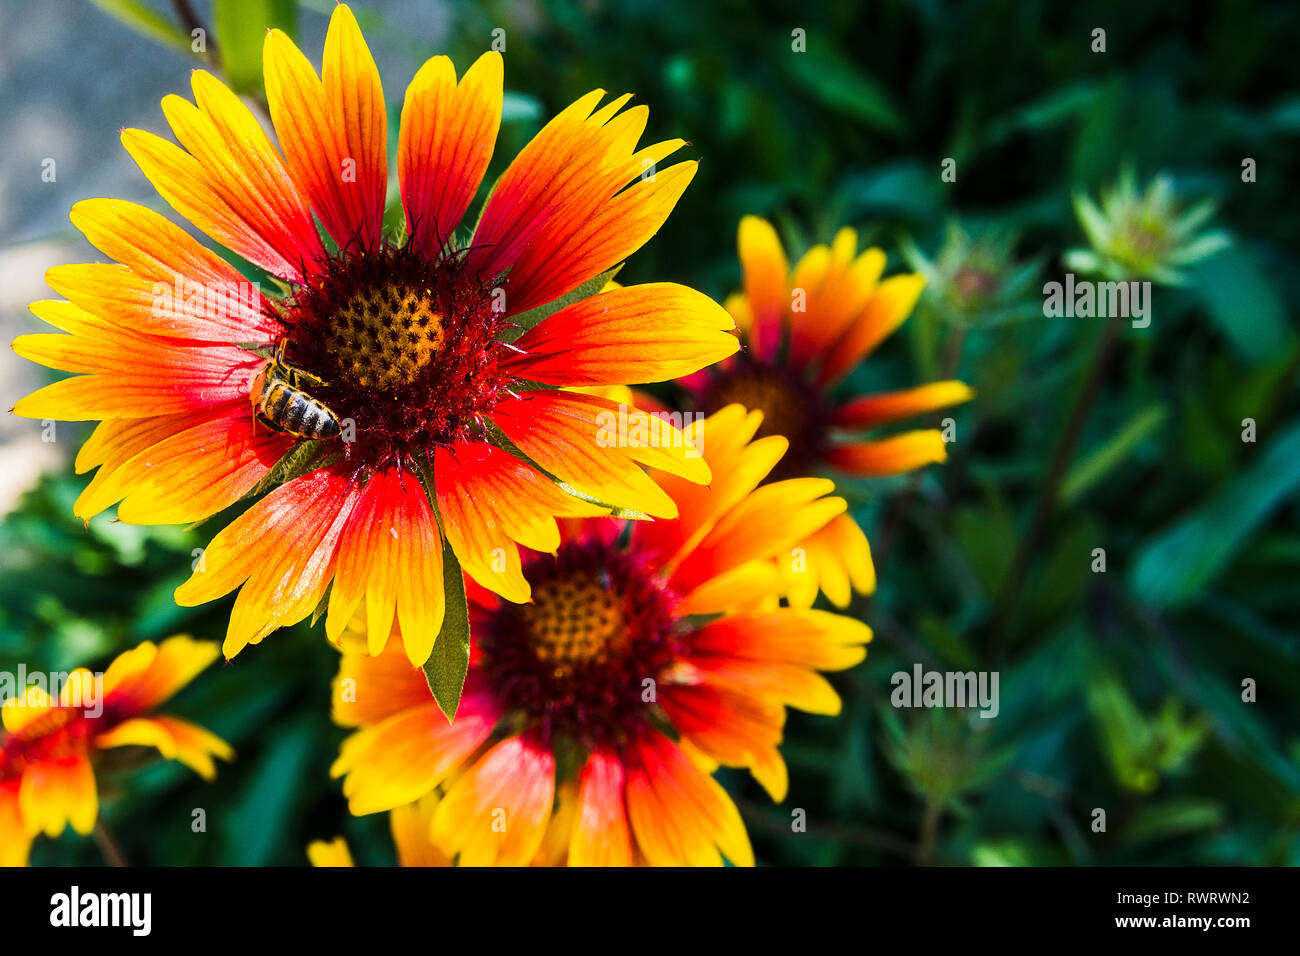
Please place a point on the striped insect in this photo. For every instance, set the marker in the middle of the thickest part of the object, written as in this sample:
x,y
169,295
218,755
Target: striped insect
x,y
281,404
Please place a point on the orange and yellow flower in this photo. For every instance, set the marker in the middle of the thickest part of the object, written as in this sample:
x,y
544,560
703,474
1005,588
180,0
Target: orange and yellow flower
x,y
804,329
48,745
425,349
592,717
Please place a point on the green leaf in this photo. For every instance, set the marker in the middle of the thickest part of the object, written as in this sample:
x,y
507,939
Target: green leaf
x,y
263,809
614,510
841,86
307,455
147,21
1173,568
1244,308
526,320
241,27
447,666
1172,818
1113,451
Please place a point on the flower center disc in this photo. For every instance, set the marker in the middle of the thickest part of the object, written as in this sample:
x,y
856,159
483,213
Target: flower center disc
x,y
573,620
791,407
406,347
384,336
574,661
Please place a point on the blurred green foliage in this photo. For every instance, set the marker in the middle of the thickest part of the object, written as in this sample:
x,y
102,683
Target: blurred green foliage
x,y
1120,690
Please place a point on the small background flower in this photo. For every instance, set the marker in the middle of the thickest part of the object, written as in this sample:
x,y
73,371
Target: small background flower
x,y
59,732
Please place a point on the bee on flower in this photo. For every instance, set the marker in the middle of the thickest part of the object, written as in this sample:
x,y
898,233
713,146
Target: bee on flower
x,y
409,394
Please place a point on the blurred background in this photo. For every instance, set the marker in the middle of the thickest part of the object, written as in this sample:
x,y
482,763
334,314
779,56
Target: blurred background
x,y
1120,689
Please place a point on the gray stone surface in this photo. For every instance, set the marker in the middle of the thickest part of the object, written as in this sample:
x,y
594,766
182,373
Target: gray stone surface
x,y
71,77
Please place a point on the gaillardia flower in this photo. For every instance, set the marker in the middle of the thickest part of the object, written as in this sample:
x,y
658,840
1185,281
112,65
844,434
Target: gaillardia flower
x,y
651,652
804,330
391,375
48,744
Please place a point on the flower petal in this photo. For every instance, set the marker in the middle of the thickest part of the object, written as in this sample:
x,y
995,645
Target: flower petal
x,y
447,137
601,340
871,410
281,552
732,728
205,298
836,561
189,189
888,308
562,432
356,102
148,674
890,456
557,217
769,521
190,475
54,793
680,814
489,501
601,836
370,689
766,273
15,841
391,554
496,813
407,755
329,853
410,827
127,375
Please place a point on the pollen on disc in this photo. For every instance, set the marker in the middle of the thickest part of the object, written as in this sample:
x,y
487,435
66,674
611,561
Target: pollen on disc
x,y
573,620
385,335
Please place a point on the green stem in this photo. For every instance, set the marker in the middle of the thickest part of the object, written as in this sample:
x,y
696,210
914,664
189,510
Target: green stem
x,y
928,836
112,853
1062,457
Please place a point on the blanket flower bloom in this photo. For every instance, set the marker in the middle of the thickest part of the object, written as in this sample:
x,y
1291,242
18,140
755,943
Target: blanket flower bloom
x,y
804,330
388,373
592,717
48,744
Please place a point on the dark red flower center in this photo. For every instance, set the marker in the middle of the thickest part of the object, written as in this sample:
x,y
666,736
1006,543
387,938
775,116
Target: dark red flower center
x,y
407,348
791,405
576,662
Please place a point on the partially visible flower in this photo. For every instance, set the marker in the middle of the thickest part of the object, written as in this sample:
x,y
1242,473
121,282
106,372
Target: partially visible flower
x,y
1143,235
409,825
976,279
48,746
804,329
593,716
425,364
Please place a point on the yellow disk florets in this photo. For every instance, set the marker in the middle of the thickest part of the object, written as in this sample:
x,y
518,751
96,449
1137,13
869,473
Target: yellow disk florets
x,y
573,620
384,336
